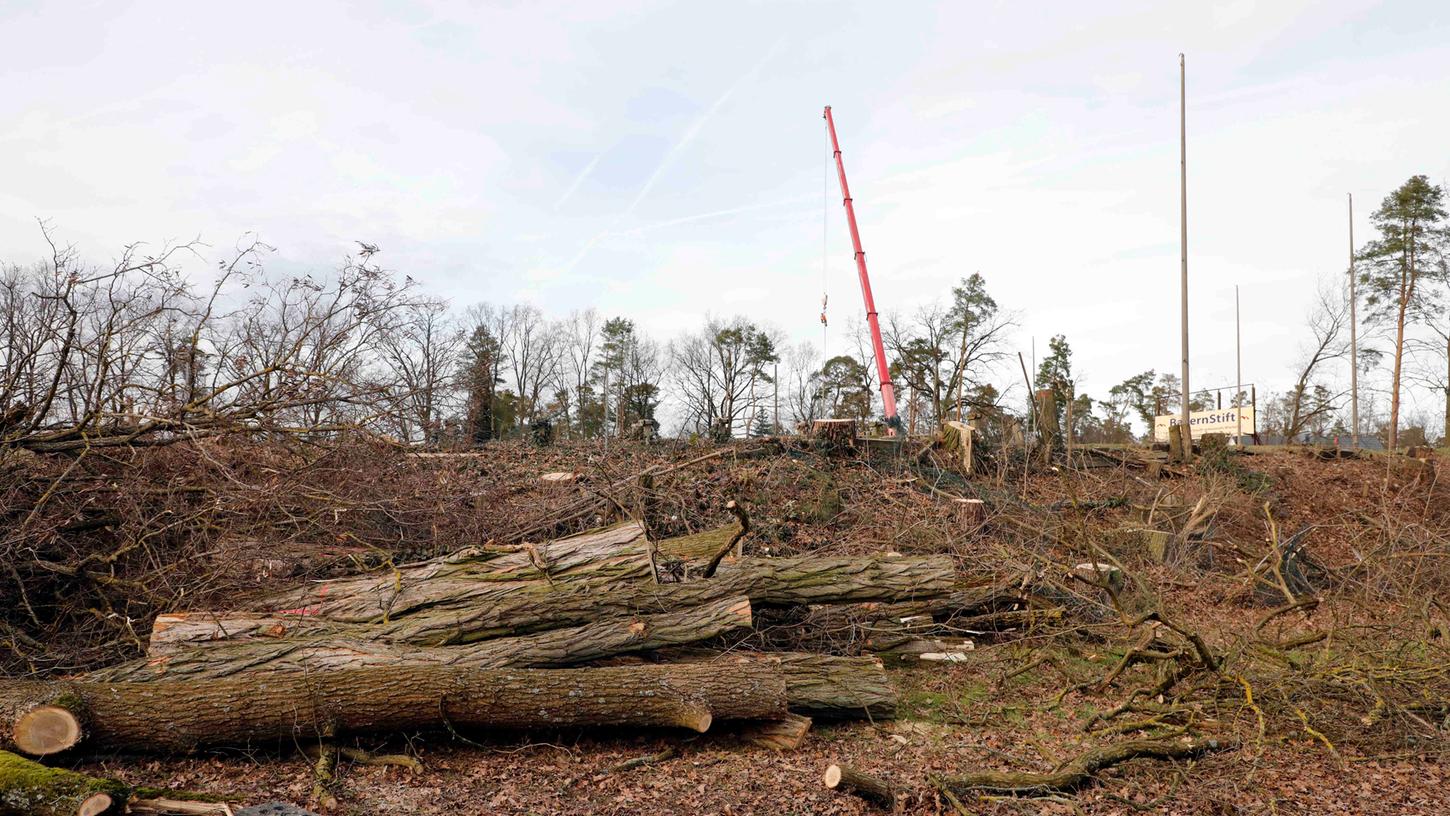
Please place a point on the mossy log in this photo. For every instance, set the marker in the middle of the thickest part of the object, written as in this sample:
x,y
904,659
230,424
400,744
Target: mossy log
x,y
556,648
534,606
1082,769
182,715
28,788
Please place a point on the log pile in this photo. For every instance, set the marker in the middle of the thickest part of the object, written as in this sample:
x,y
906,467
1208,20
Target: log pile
x,y
491,637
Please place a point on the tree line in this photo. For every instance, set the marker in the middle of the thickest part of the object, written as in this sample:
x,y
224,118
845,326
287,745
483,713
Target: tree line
x,y
137,352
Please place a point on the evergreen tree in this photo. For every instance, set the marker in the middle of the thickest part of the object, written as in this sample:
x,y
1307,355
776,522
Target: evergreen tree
x,y
1400,267
480,381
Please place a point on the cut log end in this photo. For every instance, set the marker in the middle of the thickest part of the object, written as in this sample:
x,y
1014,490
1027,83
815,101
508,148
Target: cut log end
x,y
95,805
833,777
46,730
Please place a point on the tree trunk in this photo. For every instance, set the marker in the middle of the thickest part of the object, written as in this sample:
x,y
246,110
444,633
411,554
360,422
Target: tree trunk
x,y
785,734
820,686
608,557
28,788
552,649
1394,441
957,440
538,605
469,575
181,715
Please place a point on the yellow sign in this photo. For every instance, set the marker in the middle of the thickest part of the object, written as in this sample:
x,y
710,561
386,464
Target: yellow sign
x,y
1222,420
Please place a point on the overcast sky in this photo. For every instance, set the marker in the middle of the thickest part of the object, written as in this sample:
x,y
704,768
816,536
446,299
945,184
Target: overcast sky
x,y
664,161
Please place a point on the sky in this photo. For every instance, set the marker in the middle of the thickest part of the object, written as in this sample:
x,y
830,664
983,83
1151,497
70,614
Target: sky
x,y
665,161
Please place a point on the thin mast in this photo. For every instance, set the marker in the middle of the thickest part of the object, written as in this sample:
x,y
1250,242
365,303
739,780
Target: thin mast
x,y
1354,339
1183,239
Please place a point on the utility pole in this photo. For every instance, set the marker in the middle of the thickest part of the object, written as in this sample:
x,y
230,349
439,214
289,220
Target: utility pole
x,y
1354,339
1238,370
1183,239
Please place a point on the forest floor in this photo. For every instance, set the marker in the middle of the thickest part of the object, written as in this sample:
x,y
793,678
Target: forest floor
x,y
1336,706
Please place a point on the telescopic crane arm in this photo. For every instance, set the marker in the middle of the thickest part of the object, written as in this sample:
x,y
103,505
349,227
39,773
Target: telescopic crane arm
x,y
888,391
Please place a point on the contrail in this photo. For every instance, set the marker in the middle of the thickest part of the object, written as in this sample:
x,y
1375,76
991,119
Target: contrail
x,y
684,141
578,180
686,219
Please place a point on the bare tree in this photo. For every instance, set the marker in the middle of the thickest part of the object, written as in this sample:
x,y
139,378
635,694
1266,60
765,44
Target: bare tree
x,y
1310,401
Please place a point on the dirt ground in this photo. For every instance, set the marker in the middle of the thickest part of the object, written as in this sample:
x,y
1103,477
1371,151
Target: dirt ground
x,y
1354,721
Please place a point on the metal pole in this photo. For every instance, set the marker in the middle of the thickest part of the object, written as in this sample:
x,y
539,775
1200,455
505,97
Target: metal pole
x,y
1183,239
1238,370
1354,339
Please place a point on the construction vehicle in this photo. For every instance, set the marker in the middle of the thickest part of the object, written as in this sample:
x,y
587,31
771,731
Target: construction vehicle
x,y
888,391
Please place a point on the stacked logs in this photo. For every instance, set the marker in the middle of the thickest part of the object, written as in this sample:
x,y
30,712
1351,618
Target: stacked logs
x,y
488,637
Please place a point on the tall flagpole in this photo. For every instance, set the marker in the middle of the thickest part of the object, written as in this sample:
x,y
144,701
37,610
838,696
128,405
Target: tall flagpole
x,y
1353,338
1183,238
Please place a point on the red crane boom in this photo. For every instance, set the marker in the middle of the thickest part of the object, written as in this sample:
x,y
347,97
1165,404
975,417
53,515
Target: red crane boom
x,y
888,391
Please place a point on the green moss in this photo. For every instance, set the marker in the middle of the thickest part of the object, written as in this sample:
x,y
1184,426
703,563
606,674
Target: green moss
x,y
28,787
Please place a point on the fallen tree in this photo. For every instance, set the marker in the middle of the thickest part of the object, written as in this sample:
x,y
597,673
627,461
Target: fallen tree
x,y
519,608
181,715
551,649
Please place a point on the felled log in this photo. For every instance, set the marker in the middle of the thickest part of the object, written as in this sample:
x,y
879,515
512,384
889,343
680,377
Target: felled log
x,y
785,734
28,788
552,649
534,606
181,715
1081,769
471,574
873,789
820,686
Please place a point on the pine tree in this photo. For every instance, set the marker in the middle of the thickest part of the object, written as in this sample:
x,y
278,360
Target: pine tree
x,y
1401,266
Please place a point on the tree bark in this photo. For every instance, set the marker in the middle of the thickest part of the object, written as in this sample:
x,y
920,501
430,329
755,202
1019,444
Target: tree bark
x,y
534,606
472,574
820,686
28,788
181,715
552,649
785,734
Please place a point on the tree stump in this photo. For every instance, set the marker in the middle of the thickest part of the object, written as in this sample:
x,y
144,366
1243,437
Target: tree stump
x,y
834,435
956,438
971,513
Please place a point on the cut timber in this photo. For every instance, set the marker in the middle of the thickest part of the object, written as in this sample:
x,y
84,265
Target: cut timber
x,y
541,605
561,477
870,788
389,699
469,577
834,434
46,730
556,648
956,438
28,788
820,686
785,734
1080,770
